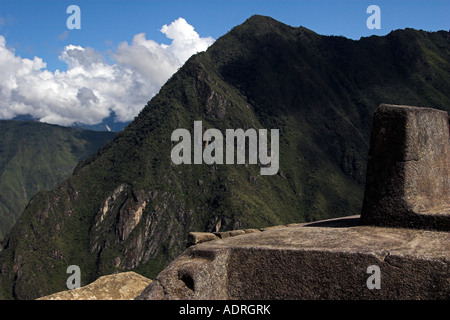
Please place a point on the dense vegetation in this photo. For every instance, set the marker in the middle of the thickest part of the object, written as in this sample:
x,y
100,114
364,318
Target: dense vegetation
x,y
319,91
37,156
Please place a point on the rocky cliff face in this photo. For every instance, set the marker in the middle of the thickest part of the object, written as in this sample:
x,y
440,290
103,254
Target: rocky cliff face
x,y
130,207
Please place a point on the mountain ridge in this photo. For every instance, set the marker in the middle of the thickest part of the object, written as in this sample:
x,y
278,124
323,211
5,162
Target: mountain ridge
x,y
128,207
37,156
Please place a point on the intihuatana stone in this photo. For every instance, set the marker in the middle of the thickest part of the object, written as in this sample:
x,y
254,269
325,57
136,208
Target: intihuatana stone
x,y
408,170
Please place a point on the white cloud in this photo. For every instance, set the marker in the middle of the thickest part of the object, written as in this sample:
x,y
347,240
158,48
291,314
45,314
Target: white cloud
x,y
91,87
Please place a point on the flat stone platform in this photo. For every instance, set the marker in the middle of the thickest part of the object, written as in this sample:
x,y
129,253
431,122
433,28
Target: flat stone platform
x,y
331,259
120,286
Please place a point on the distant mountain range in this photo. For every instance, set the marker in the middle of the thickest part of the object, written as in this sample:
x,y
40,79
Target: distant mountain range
x,y
107,124
129,207
35,157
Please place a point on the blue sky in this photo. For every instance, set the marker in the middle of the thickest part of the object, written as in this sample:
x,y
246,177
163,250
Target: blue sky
x,y
38,29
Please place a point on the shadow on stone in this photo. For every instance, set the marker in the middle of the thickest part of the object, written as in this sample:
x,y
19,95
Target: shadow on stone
x,y
336,223
408,170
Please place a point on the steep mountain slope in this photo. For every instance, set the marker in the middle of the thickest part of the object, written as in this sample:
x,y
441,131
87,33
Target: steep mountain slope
x,y
129,207
37,156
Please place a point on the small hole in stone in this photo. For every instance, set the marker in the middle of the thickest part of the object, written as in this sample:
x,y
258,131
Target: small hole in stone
x,y
187,279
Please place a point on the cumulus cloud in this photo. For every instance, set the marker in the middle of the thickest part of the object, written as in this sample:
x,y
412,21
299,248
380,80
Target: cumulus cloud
x,y
92,88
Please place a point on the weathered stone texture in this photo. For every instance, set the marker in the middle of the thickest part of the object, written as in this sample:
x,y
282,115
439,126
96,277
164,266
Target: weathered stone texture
x,y
226,234
326,260
199,237
120,286
408,171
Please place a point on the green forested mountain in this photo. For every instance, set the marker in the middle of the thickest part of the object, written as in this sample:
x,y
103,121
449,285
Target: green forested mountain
x,y
129,207
37,156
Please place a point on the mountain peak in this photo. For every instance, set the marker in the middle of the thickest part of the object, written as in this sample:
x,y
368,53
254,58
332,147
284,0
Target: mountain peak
x,y
132,208
269,24
260,19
